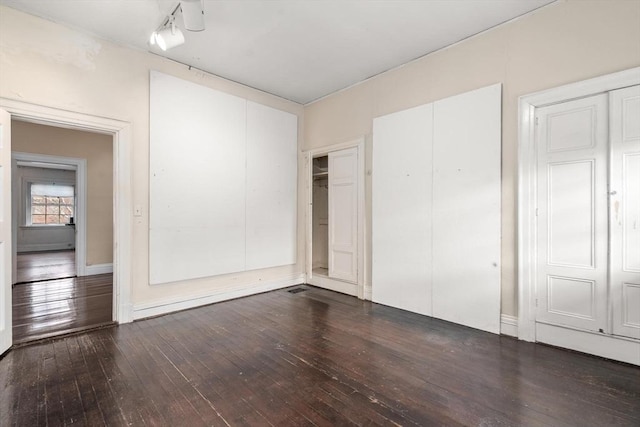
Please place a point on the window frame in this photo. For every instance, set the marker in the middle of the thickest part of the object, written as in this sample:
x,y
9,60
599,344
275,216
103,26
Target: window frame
x,y
28,202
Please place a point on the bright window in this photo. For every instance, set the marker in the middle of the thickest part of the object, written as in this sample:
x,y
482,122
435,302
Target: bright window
x,y
51,203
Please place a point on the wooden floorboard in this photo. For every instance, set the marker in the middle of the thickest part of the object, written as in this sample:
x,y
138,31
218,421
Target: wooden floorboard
x,y
37,266
54,307
315,358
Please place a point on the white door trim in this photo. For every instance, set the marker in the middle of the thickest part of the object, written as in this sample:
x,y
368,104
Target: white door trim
x,y
527,181
121,131
81,204
308,162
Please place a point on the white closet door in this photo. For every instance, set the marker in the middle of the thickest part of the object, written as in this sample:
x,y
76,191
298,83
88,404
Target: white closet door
x,y
5,232
343,214
401,209
466,208
624,208
572,213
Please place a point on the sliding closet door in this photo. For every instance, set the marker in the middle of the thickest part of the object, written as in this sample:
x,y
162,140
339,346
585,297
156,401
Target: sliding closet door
x,y
343,214
401,209
572,213
466,208
624,208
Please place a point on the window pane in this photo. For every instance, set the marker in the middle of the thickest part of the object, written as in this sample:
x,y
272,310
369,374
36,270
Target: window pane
x,y
38,200
37,219
37,210
64,219
67,200
53,219
53,200
53,210
60,190
66,210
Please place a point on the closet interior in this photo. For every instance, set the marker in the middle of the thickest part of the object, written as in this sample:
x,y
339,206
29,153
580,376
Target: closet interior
x,y
320,216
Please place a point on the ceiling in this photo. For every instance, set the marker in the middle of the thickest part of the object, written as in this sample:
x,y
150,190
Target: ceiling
x,y
301,50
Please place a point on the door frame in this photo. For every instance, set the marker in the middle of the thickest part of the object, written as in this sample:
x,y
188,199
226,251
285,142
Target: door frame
x,y
122,197
527,178
336,284
81,205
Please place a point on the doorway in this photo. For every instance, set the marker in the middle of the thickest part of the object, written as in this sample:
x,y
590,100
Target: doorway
x,y
335,218
122,311
579,265
62,230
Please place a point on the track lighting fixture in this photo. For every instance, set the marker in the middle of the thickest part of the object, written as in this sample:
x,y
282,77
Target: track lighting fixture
x,y
168,35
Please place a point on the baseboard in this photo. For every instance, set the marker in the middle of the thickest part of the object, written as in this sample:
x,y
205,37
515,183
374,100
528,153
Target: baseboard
x,y
91,270
508,325
43,247
141,311
608,346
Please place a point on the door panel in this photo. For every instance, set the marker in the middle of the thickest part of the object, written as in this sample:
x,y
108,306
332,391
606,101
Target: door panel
x,y
401,209
572,213
5,232
343,214
625,211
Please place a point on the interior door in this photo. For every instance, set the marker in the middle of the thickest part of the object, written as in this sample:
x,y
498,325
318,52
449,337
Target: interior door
x,y
5,232
624,205
343,214
572,213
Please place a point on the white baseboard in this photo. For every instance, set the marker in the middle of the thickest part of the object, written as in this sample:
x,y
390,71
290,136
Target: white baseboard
x,y
43,247
141,311
508,325
91,270
608,346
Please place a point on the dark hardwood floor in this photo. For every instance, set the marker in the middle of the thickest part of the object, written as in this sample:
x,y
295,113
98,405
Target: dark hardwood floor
x,y
54,307
34,266
49,300
309,358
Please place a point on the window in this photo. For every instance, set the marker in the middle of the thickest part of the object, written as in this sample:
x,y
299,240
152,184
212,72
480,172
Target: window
x,y
51,203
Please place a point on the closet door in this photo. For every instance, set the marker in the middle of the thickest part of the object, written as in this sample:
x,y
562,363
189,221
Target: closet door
x,y
572,213
624,208
343,214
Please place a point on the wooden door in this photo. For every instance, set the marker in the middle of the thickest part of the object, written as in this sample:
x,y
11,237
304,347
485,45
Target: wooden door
x,y
572,213
5,232
343,214
624,205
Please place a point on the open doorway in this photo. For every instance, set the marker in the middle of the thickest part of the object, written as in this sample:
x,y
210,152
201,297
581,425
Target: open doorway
x,y
62,186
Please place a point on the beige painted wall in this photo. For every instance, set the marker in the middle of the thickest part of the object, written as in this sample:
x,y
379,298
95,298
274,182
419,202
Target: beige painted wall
x,y
45,63
558,44
97,149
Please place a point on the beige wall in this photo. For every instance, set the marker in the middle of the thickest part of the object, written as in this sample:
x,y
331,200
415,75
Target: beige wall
x,y
558,44
48,64
97,149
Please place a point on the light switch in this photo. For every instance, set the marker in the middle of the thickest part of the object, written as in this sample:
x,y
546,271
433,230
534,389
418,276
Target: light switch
x,y
137,210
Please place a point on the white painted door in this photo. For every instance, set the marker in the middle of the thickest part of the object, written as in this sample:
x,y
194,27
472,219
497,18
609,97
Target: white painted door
x,y
624,205
343,214
572,213
5,232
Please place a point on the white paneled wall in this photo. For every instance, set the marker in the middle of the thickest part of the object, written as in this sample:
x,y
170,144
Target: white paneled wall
x,y
436,209
213,158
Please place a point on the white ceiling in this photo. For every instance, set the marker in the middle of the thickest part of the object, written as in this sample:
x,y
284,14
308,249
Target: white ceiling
x,y
301,50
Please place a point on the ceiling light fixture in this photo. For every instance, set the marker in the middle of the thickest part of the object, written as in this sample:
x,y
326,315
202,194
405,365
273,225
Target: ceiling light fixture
x,y
168,35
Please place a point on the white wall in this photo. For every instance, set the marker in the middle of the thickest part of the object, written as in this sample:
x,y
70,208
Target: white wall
x,y
565,42
40,237
45,63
